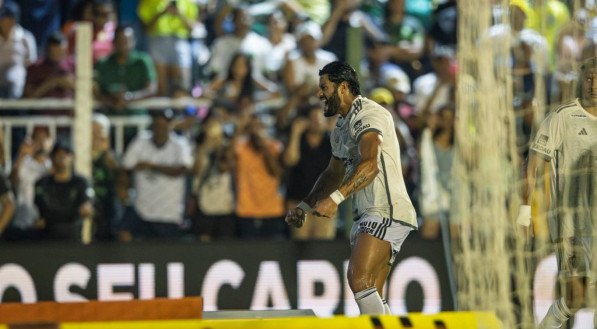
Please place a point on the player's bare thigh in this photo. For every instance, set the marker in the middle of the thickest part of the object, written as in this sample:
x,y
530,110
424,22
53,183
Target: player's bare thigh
x,y
369,258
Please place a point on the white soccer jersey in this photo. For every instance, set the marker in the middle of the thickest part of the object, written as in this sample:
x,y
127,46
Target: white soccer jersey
x,y
568,139
160,198
386,196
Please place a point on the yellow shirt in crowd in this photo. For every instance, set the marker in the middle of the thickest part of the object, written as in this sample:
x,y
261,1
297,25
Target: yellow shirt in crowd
x,y
168,24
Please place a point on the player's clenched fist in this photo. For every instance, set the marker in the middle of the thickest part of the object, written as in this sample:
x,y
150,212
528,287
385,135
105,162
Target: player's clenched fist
x,y
296,217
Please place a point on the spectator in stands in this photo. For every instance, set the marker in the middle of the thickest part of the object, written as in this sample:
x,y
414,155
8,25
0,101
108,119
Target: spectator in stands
x,y
7,204
53,75
213,183
346,14
157,162
63,198
435,89
17,51
437,154
32,163
104,173
168,24
288,111
306,155
126,75
547,17
259,205
281,43
443,29
572,38
303,65
315,10
239,83
81,11
242,39
103,17
43,18
406,36
376,65
396,81
527,58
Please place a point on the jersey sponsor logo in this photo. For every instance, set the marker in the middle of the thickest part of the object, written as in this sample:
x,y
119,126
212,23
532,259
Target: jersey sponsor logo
x,y
542,140
541,148
578,116
359,126
583,132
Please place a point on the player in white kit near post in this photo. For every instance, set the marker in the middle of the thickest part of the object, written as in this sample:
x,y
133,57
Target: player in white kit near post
x,y
365,164
567,142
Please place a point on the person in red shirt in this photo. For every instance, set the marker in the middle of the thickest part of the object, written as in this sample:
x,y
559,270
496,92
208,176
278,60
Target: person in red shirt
x,y
53,75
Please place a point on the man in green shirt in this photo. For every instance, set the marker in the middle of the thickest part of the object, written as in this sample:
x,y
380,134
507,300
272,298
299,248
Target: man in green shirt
x,y
126,75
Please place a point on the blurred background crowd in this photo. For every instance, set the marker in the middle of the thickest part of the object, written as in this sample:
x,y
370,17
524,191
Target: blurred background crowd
x,y
230,169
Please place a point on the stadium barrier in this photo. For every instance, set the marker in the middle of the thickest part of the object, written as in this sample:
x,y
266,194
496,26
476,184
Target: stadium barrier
x,y
449,320
98,311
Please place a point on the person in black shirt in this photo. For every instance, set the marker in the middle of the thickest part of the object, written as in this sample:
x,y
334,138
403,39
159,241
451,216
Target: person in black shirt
x,y
307,154
62,197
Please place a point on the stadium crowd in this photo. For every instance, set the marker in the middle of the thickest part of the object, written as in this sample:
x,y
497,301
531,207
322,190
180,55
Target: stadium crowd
x,y
232,169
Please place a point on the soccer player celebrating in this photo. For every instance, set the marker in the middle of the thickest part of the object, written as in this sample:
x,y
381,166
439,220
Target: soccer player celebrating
x,y
365,164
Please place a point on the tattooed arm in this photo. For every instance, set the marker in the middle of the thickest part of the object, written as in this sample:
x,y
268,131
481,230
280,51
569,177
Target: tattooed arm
x,y
363,175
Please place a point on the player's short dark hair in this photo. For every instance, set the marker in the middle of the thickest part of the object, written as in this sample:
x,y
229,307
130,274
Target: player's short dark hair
x,y
338,72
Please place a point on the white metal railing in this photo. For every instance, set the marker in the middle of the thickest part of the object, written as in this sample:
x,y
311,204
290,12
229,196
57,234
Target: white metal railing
x,y
152,103
118,122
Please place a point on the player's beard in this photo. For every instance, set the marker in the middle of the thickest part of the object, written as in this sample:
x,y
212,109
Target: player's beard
x,y
332,104
589,98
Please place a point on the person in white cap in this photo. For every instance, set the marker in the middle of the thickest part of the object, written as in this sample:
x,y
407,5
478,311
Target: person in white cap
x,y
303,64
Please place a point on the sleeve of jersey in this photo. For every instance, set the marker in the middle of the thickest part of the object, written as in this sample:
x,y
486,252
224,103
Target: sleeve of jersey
x,y
548,137
367,120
